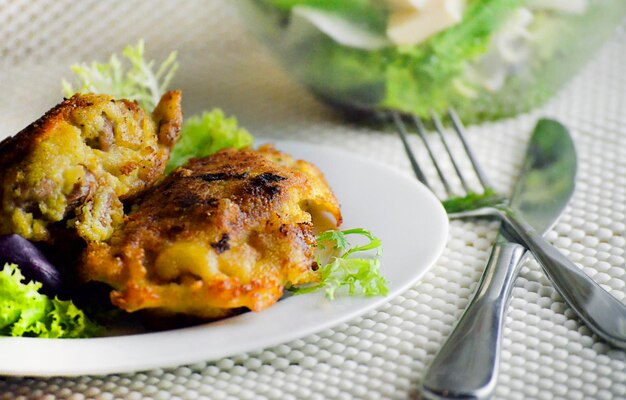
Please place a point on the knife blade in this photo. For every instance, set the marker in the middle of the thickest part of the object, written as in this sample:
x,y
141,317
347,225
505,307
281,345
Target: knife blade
x,y
467,364
546,182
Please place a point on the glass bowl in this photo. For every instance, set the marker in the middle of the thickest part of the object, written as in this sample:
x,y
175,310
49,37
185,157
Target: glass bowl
x,y
488,59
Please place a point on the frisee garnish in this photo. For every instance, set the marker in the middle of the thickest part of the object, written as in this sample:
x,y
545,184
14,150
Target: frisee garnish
x,y
134,79
359,276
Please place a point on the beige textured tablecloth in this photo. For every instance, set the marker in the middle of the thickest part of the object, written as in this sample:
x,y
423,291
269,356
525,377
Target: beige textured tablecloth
x,y
547,353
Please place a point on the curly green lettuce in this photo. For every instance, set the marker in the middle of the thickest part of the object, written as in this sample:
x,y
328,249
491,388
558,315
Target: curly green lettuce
x,y
357,276
134,80
26,312
205,134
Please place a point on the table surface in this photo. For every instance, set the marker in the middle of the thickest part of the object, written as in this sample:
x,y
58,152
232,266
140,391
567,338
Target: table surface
x,y
546,353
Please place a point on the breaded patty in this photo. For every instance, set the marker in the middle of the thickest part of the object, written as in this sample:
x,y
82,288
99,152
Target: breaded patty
x,y
220,233
76,164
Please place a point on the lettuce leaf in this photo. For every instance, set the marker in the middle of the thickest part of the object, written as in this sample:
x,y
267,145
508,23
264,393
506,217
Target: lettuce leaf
x,y
205,134
26,312
359,276
135,81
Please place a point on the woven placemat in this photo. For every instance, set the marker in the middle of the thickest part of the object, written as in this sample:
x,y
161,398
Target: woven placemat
x,y
547,353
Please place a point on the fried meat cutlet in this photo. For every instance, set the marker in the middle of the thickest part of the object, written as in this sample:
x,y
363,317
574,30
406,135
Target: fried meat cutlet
x,y
77,163
220,233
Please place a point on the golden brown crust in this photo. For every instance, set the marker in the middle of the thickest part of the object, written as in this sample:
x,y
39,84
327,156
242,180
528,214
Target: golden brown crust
x,y
79,161
223,232
17,147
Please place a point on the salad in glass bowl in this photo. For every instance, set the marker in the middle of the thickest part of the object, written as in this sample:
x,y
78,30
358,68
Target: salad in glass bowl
x,y
487,58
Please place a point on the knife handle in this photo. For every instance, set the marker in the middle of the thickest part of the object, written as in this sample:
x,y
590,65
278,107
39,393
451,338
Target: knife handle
x,y
601,312
466,367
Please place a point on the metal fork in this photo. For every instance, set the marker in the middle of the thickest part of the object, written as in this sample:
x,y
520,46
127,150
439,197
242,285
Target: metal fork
x,y
467,365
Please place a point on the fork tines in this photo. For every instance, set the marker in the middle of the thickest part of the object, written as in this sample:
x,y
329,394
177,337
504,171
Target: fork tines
x,y
429,144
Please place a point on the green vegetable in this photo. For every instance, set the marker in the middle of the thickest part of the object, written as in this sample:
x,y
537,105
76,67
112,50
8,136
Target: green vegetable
x,y
206,134
361,276
137,82
26,312
472,201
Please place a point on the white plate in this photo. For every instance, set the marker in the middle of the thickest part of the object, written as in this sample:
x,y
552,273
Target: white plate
x,y
404,214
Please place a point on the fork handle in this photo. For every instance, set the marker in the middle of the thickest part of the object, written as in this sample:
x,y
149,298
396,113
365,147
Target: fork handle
x,y
466,367
601,312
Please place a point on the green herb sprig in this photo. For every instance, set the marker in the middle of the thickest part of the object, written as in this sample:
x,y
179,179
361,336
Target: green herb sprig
x,y
134,80
359,276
